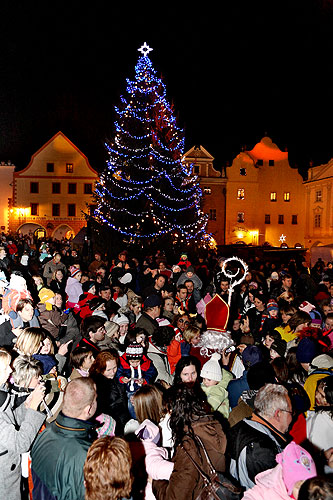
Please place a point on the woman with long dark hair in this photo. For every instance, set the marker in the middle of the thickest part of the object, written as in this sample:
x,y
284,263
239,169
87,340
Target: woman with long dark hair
x,y
192,424
111,394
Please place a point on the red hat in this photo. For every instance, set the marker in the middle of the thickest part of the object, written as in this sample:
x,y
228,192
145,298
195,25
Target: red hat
x,y
217,314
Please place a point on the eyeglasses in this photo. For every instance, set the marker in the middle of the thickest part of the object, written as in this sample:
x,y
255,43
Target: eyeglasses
x,y
287,411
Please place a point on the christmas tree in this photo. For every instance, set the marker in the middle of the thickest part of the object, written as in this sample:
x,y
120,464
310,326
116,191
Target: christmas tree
x,y
147,192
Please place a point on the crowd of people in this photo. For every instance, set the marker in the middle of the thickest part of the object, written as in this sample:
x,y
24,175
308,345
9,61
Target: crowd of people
x,y
153,377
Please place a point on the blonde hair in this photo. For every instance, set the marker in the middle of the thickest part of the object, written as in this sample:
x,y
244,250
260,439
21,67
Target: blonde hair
x,y
190,333
5,359
25,368
29,341
134,300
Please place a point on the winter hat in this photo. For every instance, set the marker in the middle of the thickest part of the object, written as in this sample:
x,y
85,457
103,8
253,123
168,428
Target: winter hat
x,y
75,271
45,294
251,355
279,346
48,362
297,464
121,319
87,285
272,306
134,351
274,276
107,425
152,301
111,328
211,369
307,349
321,361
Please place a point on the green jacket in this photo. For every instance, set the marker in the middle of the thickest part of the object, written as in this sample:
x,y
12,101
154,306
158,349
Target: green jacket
x,y
58,456
217,397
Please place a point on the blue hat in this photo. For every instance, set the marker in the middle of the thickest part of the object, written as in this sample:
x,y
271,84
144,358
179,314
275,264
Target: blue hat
x,y
251,355
47,362
152,301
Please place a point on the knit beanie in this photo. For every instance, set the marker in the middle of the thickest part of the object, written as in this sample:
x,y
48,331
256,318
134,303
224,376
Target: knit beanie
x,y
75,271
48,362
87,285
45,294
134,351
121,319
297,465
307,349
272,306
111,328
279,346
211,369
251,355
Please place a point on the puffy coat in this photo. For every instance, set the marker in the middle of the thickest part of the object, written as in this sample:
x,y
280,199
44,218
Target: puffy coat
x,y
147,368
185,483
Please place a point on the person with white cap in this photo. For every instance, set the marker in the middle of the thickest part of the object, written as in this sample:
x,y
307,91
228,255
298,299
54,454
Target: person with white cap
x,y
214,386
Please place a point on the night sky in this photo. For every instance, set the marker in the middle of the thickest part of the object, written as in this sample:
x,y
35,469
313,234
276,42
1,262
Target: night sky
x,y
235,72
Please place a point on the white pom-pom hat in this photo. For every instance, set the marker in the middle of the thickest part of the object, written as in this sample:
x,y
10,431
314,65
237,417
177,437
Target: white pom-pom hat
x,y
211,369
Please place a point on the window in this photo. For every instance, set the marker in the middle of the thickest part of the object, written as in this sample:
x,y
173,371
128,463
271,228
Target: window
x,y
273,196
56,209
267,219
34,187
207,190
271,163
318,196
196,169
69,168
240,217
56,187
212,214
72,188
87,189
50,167
294,219
286,196
317,220
34,208
260,163
281,219
242,171
240,194
71,209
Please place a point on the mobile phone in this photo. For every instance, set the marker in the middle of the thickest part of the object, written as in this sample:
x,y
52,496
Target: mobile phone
x,y
230,349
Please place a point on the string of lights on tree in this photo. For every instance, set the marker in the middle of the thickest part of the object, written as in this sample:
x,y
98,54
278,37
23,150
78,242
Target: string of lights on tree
x,y
147,190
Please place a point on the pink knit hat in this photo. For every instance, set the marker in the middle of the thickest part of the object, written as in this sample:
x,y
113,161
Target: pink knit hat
x,y
297,465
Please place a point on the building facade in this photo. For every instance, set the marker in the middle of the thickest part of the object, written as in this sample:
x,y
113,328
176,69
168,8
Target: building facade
x,y
52,192
213,186
6,183
264,198
319,205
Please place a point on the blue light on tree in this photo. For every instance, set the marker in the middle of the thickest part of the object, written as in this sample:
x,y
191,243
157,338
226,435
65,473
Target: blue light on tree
x,y
147,191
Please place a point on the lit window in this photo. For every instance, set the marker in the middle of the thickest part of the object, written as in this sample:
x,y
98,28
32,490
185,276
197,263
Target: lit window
x,y
34,208
212,214
69,168
286,196
240,194
318,196
317,220
207,190
34,187
273,196
281,219
294,219
242,171
267,219
240,217
87,189
71,188
50,167
71,209
271,163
